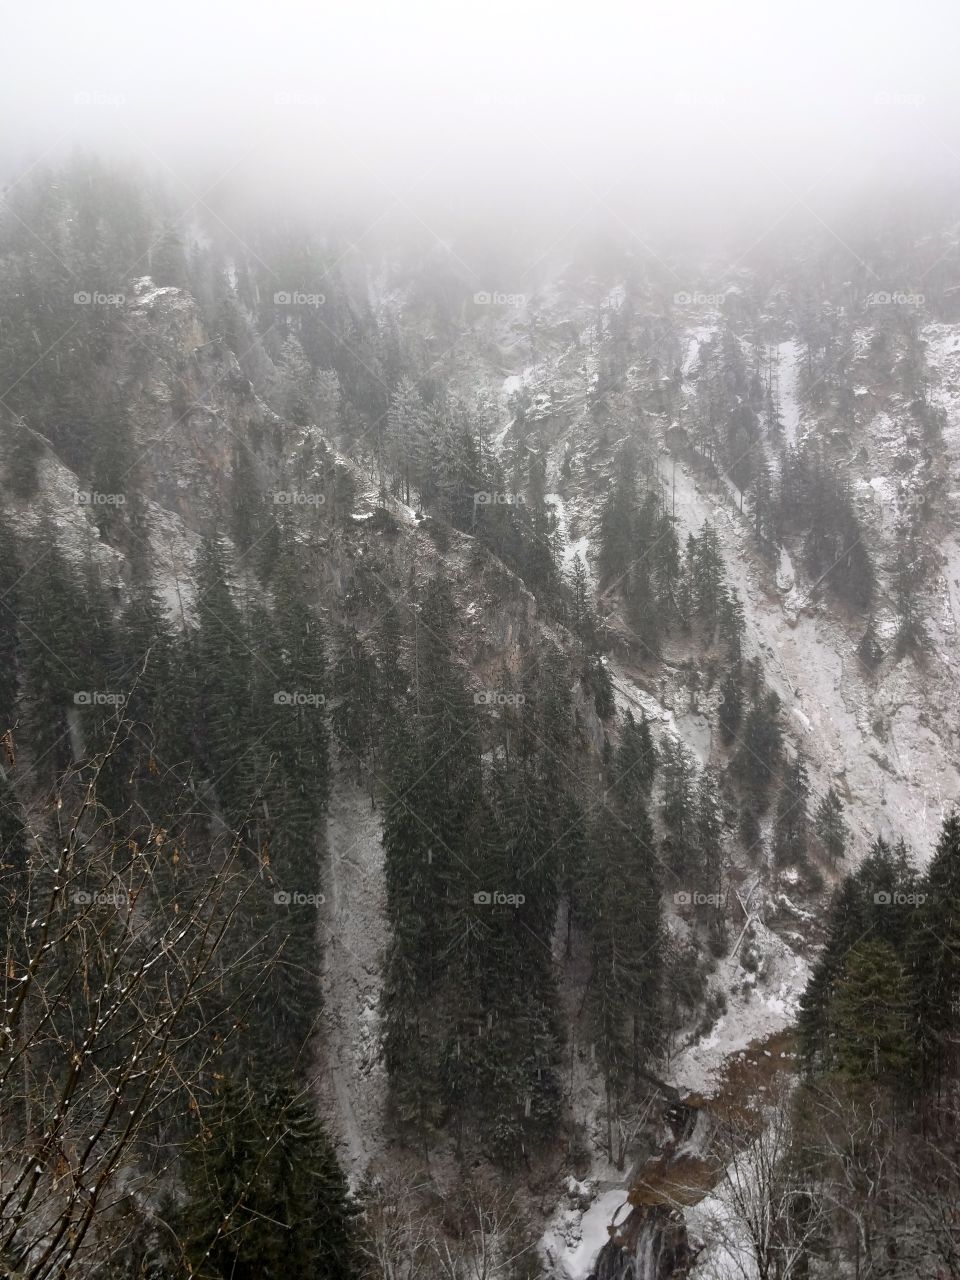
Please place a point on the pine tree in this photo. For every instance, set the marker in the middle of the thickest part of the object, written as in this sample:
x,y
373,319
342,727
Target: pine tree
x,y
52,676
831,828
709,582
790,829
154,672
223,661
406,432
934,961
266,1197
22,453
619,546
758,755
636,760
730,712
868,1016
679,809
582,611
844,928
353,681
626,948
431,834
168,265
599,680
868,650
10,574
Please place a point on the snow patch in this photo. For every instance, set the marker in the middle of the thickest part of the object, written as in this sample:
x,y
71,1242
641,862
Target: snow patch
x,y
574,1238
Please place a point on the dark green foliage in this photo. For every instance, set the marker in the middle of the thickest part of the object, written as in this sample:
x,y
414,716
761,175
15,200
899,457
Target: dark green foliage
x,y
790,832
731,706
815,496
933,961
831,828
597,678
223,664
10,574
710,597
709,817
476,861
908,575
868,1017
22,453
636,761
868,650
51,644
266,1198
353,687
874,1006
168,264
757,758
626,944
680,845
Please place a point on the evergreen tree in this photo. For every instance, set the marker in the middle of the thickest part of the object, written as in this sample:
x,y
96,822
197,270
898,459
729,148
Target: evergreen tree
x,y
934,961
758,755
168,265
831,828
868,1016
790,829
353,681
845,927
731,705
627,949
679,809
636,760
266,1198
223,656
49,614
10,574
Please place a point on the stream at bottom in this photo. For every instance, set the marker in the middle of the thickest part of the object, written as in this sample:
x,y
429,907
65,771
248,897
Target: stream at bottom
x,y
652,1241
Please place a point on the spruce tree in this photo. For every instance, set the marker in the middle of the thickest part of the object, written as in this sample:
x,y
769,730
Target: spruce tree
x,y
266,1197
10,573
790,828
934,961
680,845
868,1016
50,611
831,828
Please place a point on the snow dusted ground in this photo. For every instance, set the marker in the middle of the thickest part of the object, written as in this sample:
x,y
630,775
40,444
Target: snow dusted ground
x,y
574,1238
691,729
727,1255
569,550
757,1007
352,925
789,397
903,786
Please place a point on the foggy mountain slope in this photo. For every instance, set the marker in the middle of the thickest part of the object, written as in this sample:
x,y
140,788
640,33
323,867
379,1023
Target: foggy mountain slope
x,y
902,781
479,618
432,495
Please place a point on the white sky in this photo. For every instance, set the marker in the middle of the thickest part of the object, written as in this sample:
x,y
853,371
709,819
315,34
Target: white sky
x,y
496,108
